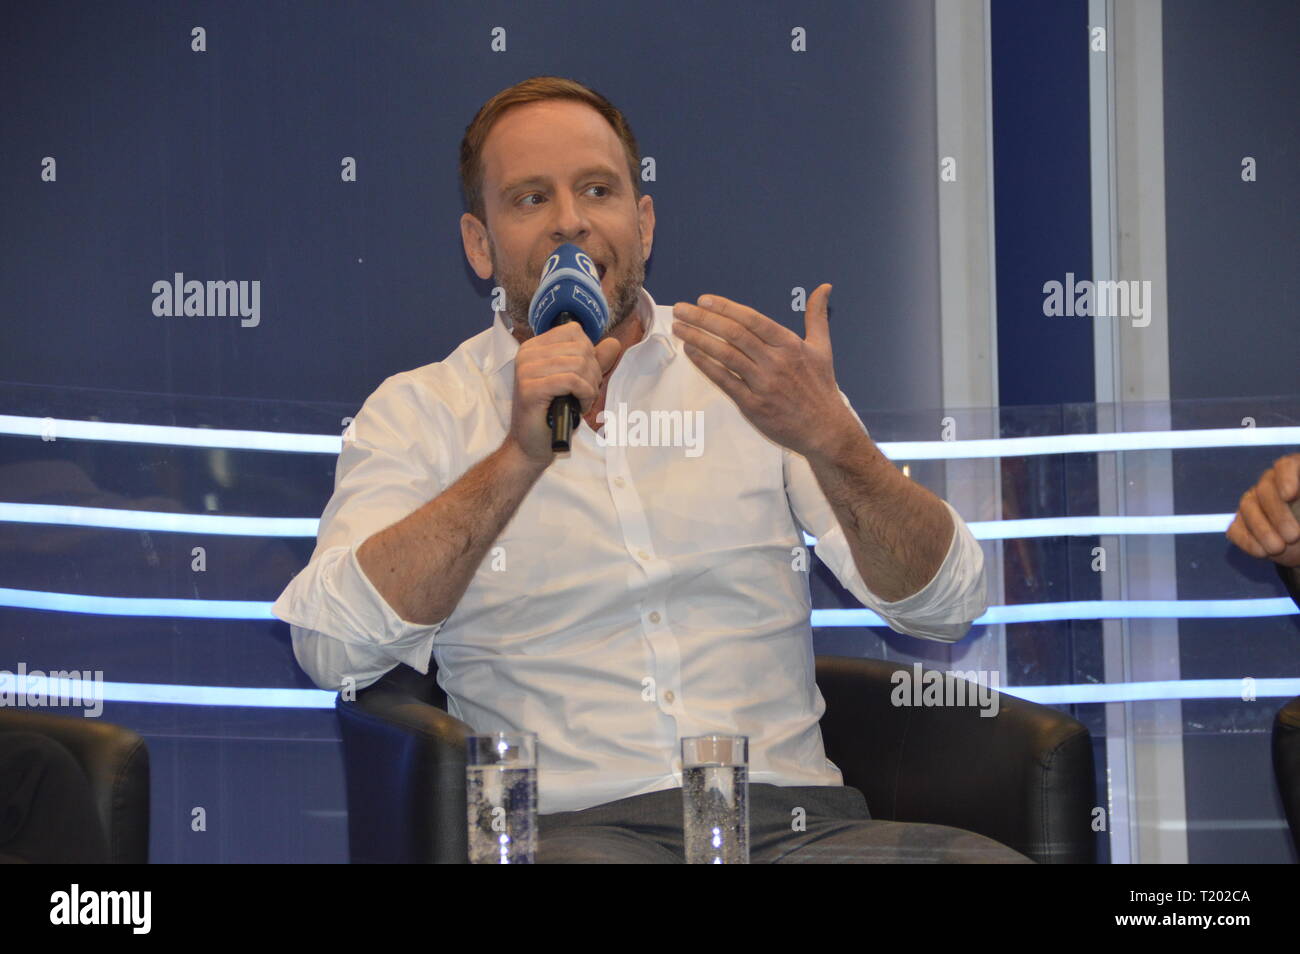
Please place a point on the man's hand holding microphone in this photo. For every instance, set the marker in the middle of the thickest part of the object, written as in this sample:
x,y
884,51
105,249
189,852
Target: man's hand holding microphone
x,y
559,362
558,371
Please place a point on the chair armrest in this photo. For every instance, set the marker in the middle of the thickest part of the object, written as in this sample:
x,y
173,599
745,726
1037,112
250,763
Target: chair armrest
x,y
1286,764
1023,777
116,762
405,767
1291,580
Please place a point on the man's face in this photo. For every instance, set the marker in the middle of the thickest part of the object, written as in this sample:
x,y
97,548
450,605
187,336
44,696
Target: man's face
x,y
555,172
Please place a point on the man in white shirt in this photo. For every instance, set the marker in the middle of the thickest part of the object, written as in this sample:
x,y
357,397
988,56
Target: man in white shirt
x,y
651,584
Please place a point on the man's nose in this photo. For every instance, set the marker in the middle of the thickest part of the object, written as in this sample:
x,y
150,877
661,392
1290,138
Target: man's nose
x,y
570,223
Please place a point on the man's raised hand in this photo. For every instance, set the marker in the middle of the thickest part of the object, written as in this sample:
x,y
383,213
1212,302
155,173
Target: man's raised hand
x,y
783,384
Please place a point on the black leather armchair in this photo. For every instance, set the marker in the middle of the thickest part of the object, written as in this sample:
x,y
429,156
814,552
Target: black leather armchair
x,y
1286,764
1024,778
1286,732
116,762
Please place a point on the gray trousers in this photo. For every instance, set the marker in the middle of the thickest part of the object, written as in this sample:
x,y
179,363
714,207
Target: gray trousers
x,y
647,829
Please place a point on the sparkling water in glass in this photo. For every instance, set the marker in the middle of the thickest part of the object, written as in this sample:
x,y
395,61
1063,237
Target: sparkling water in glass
x,y
715,799
501,797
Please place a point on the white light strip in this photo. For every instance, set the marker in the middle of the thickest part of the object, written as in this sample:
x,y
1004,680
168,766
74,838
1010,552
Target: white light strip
x,y
88,690
1016,613
1099,526
14,687
62,428
116,519
50,428
135,606
1090,609
1088,526
1145,691
1091,443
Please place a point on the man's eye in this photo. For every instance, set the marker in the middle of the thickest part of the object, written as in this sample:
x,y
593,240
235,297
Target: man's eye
x,y
604,190
523,200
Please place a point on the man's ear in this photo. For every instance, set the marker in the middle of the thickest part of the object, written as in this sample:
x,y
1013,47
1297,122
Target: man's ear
x,y
646,217
473,234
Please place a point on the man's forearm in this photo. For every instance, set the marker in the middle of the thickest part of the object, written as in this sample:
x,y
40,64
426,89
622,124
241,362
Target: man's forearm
x,y
898,532
423,564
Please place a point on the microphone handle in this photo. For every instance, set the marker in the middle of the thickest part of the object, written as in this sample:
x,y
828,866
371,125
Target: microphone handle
x,y
565,412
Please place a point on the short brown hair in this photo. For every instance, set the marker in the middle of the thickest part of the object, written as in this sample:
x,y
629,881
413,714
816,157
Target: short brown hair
x,y
534,90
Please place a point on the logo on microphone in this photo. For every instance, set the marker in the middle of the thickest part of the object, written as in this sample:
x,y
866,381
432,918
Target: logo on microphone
x,y
570,282
546,301
585,263
581,297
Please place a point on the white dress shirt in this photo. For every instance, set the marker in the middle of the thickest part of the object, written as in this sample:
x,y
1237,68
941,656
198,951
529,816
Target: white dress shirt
x,y
640,594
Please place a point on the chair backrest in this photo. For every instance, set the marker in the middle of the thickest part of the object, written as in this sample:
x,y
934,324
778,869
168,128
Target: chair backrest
x,y
116,762
1024,777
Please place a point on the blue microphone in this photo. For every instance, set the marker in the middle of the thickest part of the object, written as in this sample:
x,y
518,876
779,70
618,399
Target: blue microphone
x,y
568,291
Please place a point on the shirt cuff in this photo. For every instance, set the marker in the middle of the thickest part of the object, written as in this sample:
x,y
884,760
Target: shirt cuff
x,y
942,609
334,597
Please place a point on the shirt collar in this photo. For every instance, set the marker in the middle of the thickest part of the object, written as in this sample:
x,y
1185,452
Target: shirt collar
x,y
503,346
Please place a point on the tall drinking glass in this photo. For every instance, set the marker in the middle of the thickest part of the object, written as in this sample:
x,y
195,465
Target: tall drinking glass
x,y
501,796
715,799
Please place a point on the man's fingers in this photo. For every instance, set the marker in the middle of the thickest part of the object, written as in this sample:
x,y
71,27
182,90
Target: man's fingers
x,y
1258,524
607,352
1286,471
1275,508
1240,537
816,321
540,367
735,360
573,343
755,322
571,330
565,337
567,382
763,328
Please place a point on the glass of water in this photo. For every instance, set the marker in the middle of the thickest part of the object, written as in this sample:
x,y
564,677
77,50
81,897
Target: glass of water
x,y
501,797
715,799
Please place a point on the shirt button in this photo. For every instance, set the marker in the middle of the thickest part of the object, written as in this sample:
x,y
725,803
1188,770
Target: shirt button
x,y
642,554
668,696
618,481
654,618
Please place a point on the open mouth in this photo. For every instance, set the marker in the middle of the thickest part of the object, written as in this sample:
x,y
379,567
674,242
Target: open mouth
x,y
600,271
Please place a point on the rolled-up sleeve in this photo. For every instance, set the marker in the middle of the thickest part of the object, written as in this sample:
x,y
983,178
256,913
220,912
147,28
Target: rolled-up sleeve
x,y
342,627
941,610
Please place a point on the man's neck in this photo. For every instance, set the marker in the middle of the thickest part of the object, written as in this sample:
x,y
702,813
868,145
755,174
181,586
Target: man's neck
x,y
630,330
